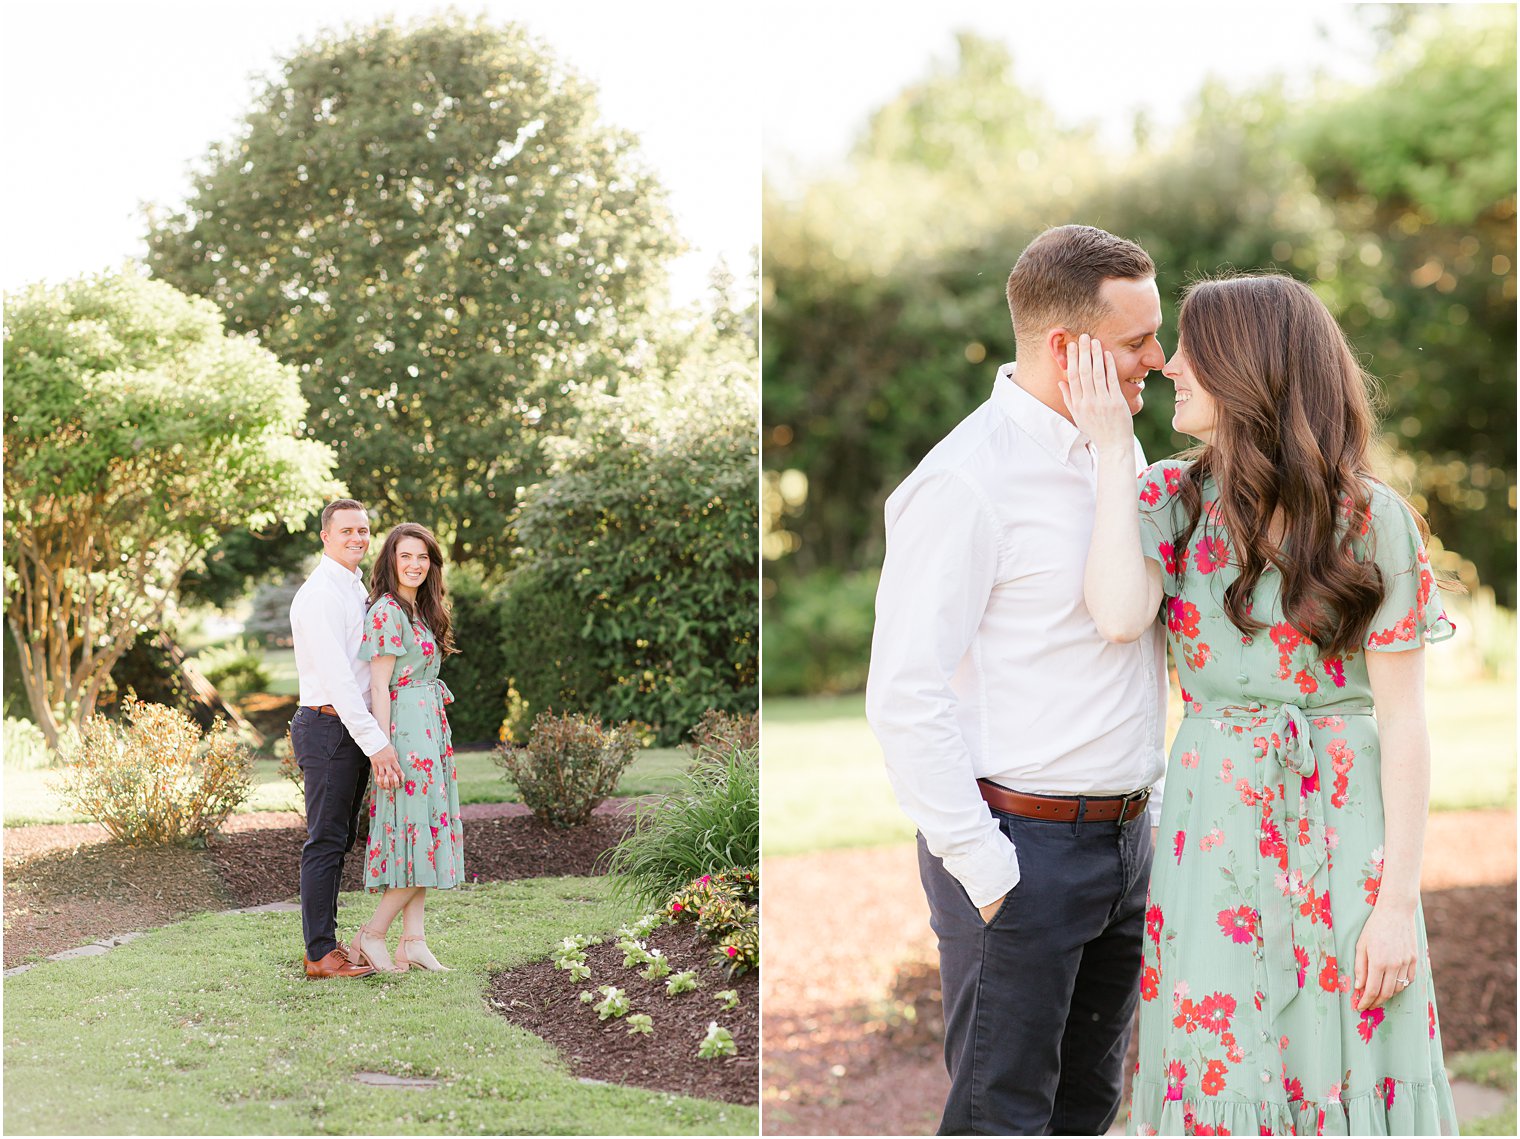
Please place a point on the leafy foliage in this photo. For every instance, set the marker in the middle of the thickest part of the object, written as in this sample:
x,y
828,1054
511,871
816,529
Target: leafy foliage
x,y
236,667
717,730
569,765
726,909
636,597
137,432
709,824
433,226
818,633
477,673
155,780
24,745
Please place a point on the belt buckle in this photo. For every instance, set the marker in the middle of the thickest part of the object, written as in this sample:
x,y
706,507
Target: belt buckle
x,y
1132,797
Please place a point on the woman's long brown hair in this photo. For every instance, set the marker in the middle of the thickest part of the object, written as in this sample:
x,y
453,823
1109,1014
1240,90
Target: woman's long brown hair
x,y
432,595
1293,430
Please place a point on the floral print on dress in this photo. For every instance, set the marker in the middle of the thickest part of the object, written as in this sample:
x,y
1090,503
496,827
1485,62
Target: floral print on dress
x,y
1274,813
415,835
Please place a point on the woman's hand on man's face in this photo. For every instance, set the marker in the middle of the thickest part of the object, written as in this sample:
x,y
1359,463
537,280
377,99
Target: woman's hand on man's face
x,y
1093,396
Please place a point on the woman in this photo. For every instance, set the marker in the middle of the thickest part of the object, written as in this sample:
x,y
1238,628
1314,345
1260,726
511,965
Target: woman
x,y
416,841
1285,983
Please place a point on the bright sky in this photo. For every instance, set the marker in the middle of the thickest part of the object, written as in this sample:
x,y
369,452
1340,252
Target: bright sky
x,y
109,104
1092,62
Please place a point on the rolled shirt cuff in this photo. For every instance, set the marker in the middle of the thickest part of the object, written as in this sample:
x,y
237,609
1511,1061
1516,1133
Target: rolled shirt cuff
x,y
988,871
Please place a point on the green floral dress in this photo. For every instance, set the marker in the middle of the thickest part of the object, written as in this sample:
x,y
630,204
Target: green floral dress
x,y
1270,856
415,836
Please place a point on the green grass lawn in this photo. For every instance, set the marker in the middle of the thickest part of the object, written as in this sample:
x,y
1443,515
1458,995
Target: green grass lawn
x,y
28,799
208,1027
824,785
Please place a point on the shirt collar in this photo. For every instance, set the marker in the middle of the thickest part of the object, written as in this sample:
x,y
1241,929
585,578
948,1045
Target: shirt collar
x,y
335,570
1056,434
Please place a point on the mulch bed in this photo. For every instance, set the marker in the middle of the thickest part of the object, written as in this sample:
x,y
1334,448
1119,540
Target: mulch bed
x,y
261,866
545,1001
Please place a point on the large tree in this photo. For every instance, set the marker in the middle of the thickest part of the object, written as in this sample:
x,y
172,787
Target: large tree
x,y
137,432
434,227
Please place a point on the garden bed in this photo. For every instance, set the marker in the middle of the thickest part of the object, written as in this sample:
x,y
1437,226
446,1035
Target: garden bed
x,y
545,1001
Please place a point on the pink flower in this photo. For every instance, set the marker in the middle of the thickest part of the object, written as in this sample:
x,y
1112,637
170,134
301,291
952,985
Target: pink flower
x,y
731,951
1214,1012
1370,1020
1179,844
1176,1072
1151,494
1210,554
1239,924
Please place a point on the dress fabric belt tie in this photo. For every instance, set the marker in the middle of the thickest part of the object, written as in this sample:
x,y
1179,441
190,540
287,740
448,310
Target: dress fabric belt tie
x,y
1284,924
442,689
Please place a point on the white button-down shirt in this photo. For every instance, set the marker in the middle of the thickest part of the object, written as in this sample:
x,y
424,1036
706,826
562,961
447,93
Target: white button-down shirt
x,y
327,624
984,661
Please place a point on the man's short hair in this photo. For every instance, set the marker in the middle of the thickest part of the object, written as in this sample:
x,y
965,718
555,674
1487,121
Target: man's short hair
x,y
340,504
1056,279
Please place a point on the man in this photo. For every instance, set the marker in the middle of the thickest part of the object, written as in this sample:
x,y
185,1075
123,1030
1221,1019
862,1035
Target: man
x,y
335,738
1020,742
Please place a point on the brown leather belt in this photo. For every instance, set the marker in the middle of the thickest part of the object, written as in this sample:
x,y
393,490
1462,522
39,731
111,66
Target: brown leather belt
x,y
1064,808
325,709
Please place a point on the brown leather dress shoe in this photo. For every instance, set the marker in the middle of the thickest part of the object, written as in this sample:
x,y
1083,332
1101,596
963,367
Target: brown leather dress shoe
x,y
336,964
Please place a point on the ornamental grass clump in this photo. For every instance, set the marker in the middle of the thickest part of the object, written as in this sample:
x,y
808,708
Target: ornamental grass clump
x,y
711,821
569,765
157,779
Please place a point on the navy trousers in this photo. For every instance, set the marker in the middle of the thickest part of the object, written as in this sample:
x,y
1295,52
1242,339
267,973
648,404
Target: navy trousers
x,y
337,776
1038,1001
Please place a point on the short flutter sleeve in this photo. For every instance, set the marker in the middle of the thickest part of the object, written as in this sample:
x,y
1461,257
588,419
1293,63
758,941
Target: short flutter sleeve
x,y
1411,614
1160,509
384,631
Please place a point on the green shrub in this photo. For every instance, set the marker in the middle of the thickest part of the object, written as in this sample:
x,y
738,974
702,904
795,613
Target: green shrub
x,y
235,667
818,633
25,746
569,765
156,778
710,823
150,672
637,596
477,674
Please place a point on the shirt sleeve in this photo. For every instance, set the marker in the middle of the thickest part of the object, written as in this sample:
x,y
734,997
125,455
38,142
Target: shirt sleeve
x,y
1411,614
384,633
322,627
940,568
1159,506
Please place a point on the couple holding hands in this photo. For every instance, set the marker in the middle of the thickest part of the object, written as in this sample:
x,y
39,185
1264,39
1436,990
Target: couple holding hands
x,y
372,703
1276,949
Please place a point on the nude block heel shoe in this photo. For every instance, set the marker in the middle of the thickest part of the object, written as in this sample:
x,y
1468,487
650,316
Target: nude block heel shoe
x,y
369,946
419,958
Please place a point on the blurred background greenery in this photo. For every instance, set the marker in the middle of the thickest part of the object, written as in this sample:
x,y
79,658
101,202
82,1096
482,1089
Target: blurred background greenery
x,y
884,314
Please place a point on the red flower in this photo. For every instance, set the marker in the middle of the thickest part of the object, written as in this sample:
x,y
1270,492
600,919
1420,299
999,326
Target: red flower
x,y
1153,924
1294,1089
1335,669
411,786
1213,1079
1187,1017
1210,554
1388,1086
1239,924
1330,980
1168,554
1173,477
1179,844
1370,1020
1215,1011
1306,683
1182,618
1151,494
1301,955
1175,1074
1150,983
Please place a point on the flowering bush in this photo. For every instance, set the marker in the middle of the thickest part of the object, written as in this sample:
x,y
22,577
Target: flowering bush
x,y
157,779
724,908
570,764
738,950
717,1042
